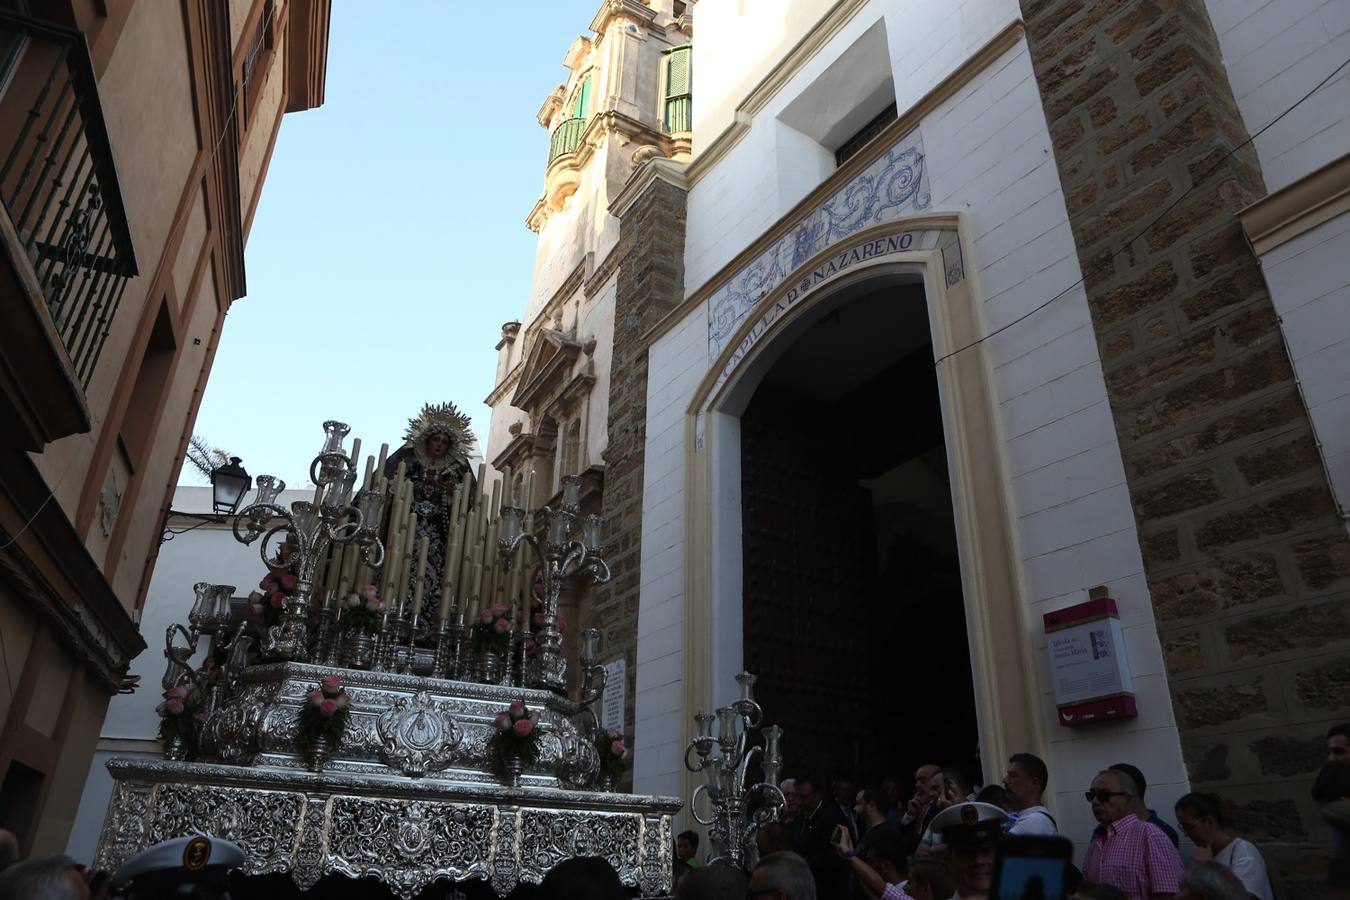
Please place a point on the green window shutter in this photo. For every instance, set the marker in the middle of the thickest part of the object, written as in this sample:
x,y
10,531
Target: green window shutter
x,y
581,109
677,112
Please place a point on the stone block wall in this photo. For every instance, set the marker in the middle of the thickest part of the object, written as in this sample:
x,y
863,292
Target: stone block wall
x,y
650,284
1247,562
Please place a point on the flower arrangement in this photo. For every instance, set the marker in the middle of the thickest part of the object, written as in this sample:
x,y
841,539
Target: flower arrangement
x,y
268,602
362,611
516,732
613,753
180,716
492,631
324,715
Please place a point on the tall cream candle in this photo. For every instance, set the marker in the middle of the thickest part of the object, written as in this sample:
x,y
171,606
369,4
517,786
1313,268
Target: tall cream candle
x,y
450,570
420,581
384,456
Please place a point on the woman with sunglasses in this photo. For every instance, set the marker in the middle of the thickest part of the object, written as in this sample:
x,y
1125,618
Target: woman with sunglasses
x,y
1207,820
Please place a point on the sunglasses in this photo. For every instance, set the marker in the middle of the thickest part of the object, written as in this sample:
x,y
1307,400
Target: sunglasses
x,y
1103,796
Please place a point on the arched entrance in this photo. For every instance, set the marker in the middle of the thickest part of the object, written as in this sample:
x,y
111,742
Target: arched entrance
x,y
852,610
881,265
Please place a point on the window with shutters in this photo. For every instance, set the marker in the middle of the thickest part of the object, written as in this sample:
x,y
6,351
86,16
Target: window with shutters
x,y
581,100
677,75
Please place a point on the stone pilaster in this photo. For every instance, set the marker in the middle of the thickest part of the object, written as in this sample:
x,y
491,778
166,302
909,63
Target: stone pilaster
x,y
1246,560
650,284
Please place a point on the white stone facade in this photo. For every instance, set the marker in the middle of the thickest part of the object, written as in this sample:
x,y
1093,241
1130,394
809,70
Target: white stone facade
x,y
989,158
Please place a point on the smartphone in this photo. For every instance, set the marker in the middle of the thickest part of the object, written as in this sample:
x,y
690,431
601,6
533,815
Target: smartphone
x,y
1031,868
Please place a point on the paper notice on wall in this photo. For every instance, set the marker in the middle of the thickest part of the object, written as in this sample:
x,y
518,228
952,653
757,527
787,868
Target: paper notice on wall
x,y
1088,661
611,707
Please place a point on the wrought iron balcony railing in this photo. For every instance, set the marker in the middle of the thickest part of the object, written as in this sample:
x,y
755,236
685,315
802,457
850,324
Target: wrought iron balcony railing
x,y
58,184
566,138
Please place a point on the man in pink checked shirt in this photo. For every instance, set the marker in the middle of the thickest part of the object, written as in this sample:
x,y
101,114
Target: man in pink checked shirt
x,y
1125,852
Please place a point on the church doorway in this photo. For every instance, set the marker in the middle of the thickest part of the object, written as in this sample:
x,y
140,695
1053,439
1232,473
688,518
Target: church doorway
x,y
852,608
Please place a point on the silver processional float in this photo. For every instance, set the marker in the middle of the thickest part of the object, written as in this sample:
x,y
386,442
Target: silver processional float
x,y
371,715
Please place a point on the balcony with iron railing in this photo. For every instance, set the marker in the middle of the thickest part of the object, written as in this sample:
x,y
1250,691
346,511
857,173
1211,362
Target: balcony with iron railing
x,y
566,138
564,173
64,232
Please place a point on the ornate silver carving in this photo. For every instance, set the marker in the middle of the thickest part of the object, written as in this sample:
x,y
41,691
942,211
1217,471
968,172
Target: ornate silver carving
x,y
264,823
417,735
405,832
408,845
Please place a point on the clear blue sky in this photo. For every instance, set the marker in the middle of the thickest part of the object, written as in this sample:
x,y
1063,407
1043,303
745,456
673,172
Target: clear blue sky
x,y
390,245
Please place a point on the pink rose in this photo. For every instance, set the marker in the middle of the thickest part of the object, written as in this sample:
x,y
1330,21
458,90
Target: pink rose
x,y
517,709
485,616
501,626
614,734
160,711
267,585
173,706
368,592
374,605
180,691
353,601
617,748
498,609
315,697
287,581
523,727
531,648
328,708
502,722
330,684
278,600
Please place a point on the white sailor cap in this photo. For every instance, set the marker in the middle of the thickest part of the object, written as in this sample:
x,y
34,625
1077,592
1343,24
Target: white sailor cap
x,y
971,822
187,858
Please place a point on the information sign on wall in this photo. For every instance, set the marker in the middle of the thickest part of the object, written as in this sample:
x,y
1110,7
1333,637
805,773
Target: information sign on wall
x,y
1087,663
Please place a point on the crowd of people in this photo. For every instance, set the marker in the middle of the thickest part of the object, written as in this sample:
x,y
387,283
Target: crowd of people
x,y
942,841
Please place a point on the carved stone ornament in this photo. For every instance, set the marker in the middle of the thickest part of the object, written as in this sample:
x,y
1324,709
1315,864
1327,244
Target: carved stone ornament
x,y
418,735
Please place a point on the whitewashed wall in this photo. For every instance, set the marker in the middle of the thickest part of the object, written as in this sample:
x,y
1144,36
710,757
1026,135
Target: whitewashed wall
x,y
1310,285
1276,51
989,157
130,728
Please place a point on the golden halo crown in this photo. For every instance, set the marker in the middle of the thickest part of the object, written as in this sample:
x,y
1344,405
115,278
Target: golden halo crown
x,y
445,419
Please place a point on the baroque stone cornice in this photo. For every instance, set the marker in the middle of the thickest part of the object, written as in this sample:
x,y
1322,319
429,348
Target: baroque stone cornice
x,y
634,10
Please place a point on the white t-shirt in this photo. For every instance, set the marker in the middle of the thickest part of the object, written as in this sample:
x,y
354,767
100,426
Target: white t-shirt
x,y
1034,820
1247,863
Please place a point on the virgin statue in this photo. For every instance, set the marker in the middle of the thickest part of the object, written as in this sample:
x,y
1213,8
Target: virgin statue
x,y
435,454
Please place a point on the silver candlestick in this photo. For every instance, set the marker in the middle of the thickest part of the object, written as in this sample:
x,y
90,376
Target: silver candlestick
x,y
733,817
308,530
558,557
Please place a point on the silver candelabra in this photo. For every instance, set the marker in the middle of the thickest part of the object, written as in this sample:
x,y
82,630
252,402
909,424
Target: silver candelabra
x,y
558,557
735,808
309,528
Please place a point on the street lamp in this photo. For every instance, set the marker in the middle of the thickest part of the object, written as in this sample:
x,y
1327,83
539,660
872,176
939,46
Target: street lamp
x,y
229,484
